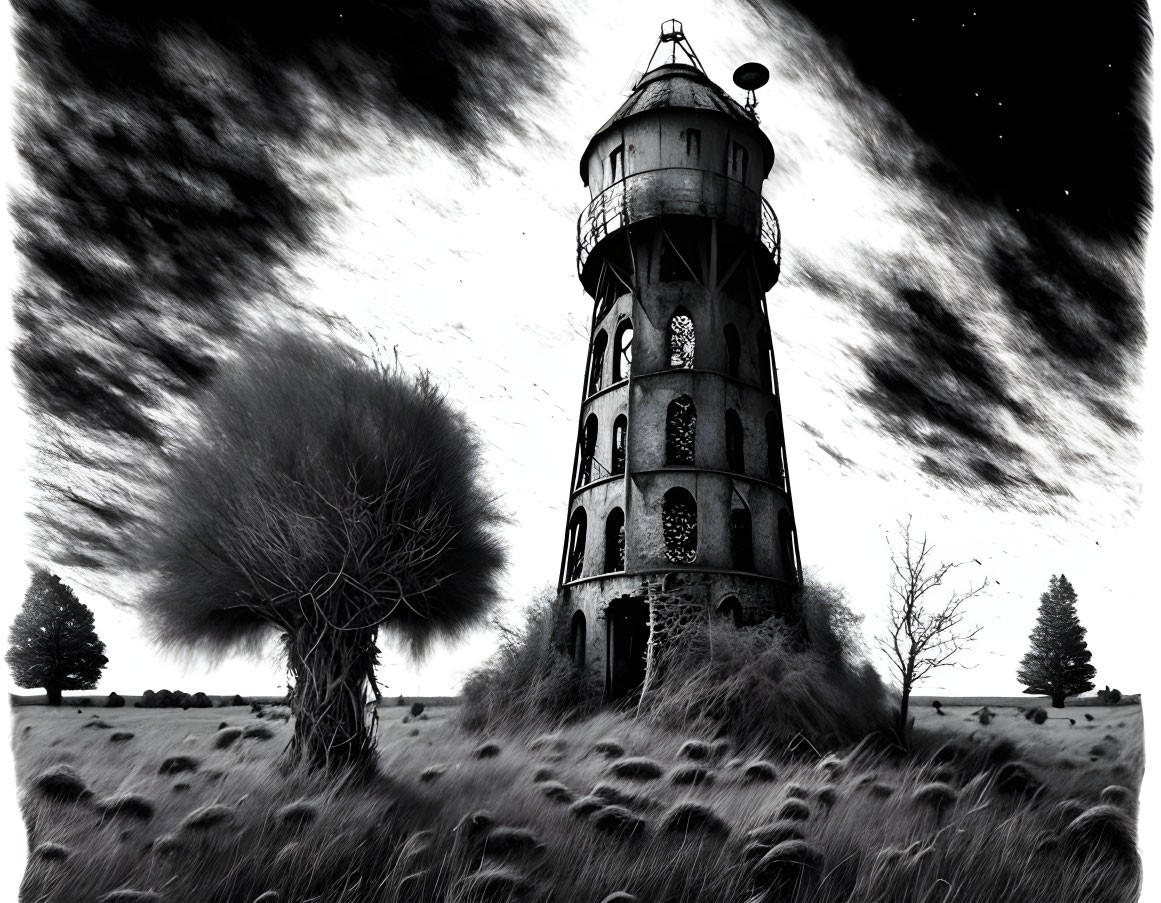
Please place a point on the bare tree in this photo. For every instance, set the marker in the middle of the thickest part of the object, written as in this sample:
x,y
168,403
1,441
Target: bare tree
x,y
926,628
319,497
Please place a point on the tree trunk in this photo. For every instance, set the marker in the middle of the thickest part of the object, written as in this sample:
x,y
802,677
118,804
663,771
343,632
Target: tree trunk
x,y
334,729
54,692
1057,698
904,703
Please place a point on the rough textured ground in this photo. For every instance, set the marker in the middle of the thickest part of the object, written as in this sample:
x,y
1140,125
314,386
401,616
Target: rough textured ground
x,y
547,816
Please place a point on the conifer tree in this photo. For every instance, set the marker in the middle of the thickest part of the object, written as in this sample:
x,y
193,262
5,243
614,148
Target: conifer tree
x,y
52,643
1057,665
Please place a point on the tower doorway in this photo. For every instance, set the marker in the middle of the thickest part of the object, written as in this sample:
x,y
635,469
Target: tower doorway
x,y
627,626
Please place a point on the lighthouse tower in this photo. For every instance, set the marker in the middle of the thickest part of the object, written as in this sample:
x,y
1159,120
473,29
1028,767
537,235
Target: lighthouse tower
x,y
679,504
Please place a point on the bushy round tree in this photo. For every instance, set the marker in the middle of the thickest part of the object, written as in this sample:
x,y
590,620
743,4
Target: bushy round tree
x,y
320,496
1057,664
52,643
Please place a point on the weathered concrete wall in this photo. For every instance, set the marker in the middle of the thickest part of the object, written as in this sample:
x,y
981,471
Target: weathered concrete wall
x,y
675,598
659,140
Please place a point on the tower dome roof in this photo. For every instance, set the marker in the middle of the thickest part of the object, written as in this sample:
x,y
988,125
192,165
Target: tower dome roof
x,y
679,86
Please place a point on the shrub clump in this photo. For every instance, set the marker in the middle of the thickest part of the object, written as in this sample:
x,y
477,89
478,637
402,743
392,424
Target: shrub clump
x,y
775,832
486,751
760,772
530,679
587,805
691,775
115,701
614,795
793,810
557,792
618,822
1103,829
299,812
786,864
61,782
1036,715
1016,779
505,840
133,805
638,768
226,737
697,750
178,764
936,794
693,818
764,685
431,773
1116,795
609,748
257,732
52,852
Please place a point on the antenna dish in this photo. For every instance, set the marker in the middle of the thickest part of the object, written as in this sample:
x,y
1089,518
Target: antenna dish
x,y
751,76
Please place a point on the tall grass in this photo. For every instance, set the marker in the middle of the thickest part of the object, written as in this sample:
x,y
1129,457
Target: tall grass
x,y
761,685
485,825
530,679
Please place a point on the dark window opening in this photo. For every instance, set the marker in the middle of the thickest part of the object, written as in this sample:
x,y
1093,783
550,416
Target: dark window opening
x,y
588,451
624,351
680,431
578,635
693,143
735,443
733,351
679,525
575,550
615,541
741,162
731,608
617,163
682,339
741,540
618,462
774,441
597,362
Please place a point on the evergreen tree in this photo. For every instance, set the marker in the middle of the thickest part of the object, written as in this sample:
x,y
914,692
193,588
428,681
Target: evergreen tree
x,y
52,643
1057,665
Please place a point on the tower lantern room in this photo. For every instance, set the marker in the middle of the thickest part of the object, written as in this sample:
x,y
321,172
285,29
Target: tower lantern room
x,y
679,502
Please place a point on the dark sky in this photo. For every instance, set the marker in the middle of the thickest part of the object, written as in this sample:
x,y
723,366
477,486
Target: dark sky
x,y
1035,105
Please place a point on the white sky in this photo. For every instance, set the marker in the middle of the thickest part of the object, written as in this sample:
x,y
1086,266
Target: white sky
x,y
475,280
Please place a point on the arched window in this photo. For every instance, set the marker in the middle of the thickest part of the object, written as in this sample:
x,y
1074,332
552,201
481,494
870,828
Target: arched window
x,y
618,462
679,525
774,447
735,443
615,541
680,430
597,362
681,340
588,448
624,350
733,351
741,540
786,544
731,608
574,559
577,639
741,162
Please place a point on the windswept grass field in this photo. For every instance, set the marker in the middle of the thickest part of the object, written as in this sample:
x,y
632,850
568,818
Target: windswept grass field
x,y
135,805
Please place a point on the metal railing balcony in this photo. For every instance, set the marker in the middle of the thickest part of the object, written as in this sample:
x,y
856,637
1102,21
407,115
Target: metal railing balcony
x,y
677,191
